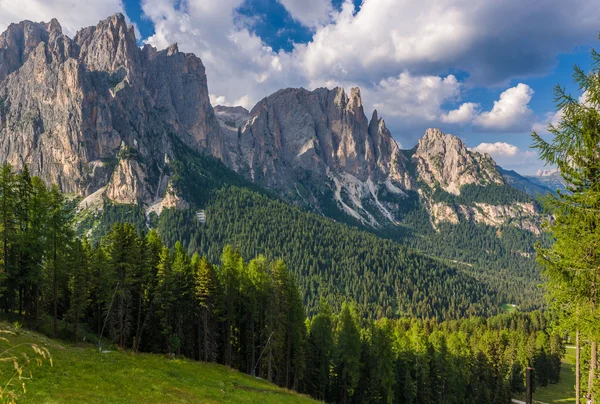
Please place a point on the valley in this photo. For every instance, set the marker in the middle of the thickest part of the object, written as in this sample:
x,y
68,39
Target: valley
x,y
294,241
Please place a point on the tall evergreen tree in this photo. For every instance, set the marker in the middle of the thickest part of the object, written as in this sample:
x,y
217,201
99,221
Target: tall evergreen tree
x,y
347,353
60,234
572,263
207,289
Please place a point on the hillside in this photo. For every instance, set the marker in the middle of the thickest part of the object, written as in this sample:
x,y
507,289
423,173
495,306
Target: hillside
x,y
345,258
81,374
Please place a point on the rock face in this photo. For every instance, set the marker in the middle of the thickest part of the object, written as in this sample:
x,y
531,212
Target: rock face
x,y
445,160
315,144
96,110
102,117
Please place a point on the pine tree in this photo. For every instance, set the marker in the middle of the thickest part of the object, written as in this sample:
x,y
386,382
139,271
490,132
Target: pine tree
x,y
79,278
60,234
206,288
347,353
36,244
321,349
124,252
232,266
7,230
164,297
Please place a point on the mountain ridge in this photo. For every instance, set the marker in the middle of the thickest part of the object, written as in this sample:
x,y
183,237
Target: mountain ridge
x,y
98,115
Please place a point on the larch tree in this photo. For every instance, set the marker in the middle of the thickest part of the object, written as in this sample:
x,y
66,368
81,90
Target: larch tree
x,y
572,262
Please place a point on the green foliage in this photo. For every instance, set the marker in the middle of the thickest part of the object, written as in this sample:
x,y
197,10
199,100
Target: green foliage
x,y
137,293
572,262
330,259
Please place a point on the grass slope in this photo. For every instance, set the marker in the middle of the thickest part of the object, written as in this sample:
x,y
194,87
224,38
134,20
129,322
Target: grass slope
x,y
81,374
564,391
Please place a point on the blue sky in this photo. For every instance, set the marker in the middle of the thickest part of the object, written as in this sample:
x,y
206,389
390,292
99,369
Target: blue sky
x,y
480,69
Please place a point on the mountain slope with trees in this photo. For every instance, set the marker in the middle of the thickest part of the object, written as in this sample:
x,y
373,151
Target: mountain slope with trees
x,y
141,296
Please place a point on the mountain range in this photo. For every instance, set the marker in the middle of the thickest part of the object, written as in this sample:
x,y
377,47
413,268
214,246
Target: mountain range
x,y
102,118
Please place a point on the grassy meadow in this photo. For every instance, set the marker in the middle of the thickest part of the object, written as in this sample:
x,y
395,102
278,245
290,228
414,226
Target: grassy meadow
x,y
82,374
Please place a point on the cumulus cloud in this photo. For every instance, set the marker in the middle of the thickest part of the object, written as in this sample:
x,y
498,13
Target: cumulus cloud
x,y
510,113
311,13
238,64
493,41
464,114
70,16
497,149
412,96
507,155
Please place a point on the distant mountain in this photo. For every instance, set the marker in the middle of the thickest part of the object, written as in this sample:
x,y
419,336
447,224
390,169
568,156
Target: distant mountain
x,y
550,179
526,184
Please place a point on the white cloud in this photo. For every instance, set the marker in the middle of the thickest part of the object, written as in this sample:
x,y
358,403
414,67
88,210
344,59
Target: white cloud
x,y
486,38
464,114
72,17
309,12
412,96
508,156
510,113
551,118
239,66
497,149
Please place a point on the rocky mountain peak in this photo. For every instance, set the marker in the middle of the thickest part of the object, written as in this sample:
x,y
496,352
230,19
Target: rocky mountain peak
x,y
355,101
443,160
67,107
109,46
20,40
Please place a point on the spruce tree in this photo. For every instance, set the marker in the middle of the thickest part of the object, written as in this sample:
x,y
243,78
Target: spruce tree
x,y
347,353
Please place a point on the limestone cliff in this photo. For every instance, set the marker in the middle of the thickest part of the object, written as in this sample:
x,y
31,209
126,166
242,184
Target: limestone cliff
x,y
69,106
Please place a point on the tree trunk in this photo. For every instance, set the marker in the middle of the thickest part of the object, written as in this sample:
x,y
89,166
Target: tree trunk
x,y
206,344
139,321
37,306
253,349
288,360
200,341
21,301
592,373
577,368
269,374
54,297
77,325
148,313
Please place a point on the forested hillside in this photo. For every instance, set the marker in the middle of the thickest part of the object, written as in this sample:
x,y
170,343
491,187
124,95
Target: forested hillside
x,y
136,293
408,269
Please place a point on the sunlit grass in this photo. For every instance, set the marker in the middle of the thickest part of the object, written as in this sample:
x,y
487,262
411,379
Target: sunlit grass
x,y
81,374
564,391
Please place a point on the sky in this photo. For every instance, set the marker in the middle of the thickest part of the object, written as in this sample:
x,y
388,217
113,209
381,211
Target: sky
x,y
483,70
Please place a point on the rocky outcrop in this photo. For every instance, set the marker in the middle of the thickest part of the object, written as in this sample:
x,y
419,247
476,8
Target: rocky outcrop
x,y
444,160
307,143
69,106
524,216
